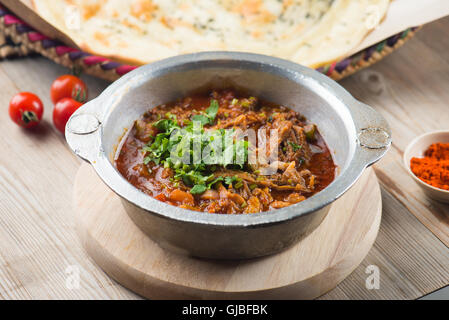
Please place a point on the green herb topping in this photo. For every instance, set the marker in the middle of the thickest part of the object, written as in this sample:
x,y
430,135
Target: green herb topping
x,y
174,146
295,146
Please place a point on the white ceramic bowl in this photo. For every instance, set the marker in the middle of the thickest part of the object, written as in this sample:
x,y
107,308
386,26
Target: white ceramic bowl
x,y
416,149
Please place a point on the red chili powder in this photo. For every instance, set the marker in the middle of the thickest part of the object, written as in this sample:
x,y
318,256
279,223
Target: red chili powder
x,y
433,169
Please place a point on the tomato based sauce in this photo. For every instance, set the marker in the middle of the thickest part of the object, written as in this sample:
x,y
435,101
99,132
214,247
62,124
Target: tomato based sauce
x,y
304,165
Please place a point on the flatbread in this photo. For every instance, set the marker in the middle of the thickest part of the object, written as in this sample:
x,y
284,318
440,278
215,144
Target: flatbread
x,y
310,32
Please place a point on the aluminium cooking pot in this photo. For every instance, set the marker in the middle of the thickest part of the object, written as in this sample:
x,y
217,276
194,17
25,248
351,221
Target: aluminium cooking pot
x,y
357,136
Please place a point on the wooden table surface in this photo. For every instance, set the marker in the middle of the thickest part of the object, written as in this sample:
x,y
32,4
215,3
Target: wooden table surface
x,y
39,247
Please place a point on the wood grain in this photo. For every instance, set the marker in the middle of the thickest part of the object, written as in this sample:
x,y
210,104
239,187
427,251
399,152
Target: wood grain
x,y
305,271
410,88
410,261
37,231
37,235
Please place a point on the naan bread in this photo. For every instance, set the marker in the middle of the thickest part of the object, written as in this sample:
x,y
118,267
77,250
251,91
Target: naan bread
x,y
310,32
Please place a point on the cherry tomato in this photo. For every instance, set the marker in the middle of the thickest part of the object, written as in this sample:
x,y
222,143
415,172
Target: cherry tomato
x,y
26,109
68,86
64,108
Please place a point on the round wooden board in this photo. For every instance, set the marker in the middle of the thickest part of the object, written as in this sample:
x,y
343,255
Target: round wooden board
x,y
304,271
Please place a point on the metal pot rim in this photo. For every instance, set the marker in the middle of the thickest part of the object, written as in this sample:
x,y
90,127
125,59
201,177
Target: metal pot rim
x,y
84,135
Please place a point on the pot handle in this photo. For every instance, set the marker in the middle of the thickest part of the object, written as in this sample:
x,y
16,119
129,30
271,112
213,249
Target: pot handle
x,y
373,134
83,131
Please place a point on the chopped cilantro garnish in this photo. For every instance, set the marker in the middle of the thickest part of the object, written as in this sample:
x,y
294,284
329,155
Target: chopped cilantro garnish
x,y
234,181
198,189
218,179
238,185
212,110
174,144
295,146
166,124
231,180
201,118
209,116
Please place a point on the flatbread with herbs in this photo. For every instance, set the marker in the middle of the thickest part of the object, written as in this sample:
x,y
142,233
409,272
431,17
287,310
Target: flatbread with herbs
x,y
310,32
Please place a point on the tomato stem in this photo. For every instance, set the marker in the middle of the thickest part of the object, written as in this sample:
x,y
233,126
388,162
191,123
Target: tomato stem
x,y
29,116
79,95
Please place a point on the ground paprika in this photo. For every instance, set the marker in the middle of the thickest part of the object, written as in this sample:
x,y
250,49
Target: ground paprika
x,y
433,168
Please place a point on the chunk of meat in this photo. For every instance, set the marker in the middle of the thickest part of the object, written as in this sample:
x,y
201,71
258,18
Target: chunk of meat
x,y
292,176
210,195
280,204
243,121
228,195
236,198
264,196
284,128
253,205
182,197
245,191
294,198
